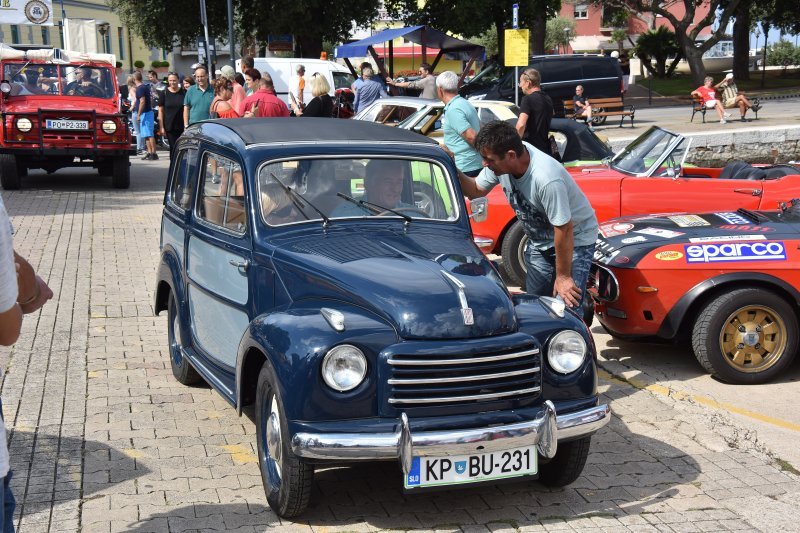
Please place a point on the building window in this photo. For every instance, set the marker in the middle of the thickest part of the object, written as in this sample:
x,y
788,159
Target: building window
x,y
121,40
45,35
581,11
15,34
61,33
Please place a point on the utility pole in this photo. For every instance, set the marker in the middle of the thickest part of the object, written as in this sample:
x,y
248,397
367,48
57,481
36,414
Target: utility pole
x,y
231,43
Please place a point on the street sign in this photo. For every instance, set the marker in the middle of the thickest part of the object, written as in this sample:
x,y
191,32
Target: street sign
x,y
515,16
516,48
280,43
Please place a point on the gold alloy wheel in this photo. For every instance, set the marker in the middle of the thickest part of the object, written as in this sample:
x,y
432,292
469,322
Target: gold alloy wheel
x,y
753,338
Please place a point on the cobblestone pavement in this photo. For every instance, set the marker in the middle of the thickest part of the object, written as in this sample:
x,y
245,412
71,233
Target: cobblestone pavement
x,y
103,439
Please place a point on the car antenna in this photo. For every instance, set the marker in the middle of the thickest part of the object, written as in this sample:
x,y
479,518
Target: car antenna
x,y
377,208
299,202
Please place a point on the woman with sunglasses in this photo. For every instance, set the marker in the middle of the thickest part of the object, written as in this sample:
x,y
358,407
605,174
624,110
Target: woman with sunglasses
x,y
322,103
221,106
170,111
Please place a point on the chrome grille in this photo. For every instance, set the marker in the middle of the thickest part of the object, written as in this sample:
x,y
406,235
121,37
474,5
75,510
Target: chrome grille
x,y
459,379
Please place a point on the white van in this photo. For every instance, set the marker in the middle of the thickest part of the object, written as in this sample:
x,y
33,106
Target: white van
x,y
283,70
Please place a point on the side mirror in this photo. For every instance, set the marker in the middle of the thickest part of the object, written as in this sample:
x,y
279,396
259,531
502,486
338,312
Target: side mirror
x,y
479,208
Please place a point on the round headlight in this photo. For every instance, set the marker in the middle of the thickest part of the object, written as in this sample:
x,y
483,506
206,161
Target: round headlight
x,y
24,125
344,368
109,126
566,351
5,87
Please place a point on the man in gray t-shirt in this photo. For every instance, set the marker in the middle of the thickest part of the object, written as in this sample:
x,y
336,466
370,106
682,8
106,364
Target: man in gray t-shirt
x,y
554,212
426,83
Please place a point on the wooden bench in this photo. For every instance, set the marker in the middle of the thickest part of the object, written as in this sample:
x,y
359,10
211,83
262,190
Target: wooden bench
x,y
602,107
698,107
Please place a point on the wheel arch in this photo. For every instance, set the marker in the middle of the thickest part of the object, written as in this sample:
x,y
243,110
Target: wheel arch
x,y
689,305
168,280
248,366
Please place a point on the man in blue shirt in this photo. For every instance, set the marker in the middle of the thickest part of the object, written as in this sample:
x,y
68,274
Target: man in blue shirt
x,y
461,125
144,110
369,91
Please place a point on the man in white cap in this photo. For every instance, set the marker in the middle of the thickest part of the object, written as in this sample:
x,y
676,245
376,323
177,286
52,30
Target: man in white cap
x,y
733,97
239,93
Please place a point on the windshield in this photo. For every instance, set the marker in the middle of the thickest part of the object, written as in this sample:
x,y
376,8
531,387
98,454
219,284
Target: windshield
x,y
644,152
29,79
490,74
417,189
342,80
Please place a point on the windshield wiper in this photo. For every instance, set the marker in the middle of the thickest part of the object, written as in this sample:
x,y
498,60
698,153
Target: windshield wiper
x,y
299,202
375,208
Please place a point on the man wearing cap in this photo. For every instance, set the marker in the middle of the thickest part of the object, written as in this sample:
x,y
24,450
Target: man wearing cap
x,y
733,97
239,94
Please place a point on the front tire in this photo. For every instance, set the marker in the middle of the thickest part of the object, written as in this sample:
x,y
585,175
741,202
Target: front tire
x,y
9,175
567,465
513,253
746,336
121,178
183,371
287,480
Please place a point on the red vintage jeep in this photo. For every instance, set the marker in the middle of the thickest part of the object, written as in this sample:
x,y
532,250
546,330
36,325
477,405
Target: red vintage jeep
x,y
61,109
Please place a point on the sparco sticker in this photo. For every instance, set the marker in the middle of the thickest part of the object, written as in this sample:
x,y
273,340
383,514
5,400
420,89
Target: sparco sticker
x,y
669,255
740,251
723,238
631,240
689,221
733,218
658,232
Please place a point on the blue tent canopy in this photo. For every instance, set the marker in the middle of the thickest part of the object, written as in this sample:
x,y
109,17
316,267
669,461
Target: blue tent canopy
x,y
421,35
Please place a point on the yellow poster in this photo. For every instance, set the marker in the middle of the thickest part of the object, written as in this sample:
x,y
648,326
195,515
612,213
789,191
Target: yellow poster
x,y
516,45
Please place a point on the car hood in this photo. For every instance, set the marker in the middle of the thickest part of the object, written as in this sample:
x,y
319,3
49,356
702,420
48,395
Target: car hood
x,y
426,284
625,241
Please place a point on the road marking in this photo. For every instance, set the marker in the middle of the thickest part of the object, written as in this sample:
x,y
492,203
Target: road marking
x,y
241,455
703,400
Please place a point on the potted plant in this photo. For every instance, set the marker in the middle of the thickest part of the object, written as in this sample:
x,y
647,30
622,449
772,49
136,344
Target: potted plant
x,y
138,63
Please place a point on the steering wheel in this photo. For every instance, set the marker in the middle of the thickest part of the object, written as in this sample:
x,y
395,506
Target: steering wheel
x,y
403,210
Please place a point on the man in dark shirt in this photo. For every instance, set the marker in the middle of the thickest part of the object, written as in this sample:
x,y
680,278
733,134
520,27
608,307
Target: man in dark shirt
x,y
144,110
536,112
583,110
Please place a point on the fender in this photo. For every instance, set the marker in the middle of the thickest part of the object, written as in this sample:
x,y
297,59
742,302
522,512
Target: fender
x,y
671,324
294,341
169,271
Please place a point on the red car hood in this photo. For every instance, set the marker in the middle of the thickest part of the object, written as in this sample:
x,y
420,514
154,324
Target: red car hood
x,y
23,104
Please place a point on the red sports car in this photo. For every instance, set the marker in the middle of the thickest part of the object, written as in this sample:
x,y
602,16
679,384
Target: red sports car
x,y
728,280
648,176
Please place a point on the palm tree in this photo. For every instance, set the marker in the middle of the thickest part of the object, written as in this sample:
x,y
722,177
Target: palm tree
x,y
658,46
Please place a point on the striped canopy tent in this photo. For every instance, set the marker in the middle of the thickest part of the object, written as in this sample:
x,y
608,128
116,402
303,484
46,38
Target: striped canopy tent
x,y
425,36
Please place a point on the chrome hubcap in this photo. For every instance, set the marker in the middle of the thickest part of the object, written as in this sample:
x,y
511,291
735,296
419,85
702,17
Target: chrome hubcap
x,y
753,338
274,445
176,339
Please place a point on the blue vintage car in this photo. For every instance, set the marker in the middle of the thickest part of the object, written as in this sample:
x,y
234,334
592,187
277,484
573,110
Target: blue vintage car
x,y
324,270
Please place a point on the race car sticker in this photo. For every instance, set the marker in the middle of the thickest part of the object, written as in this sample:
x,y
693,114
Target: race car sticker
x,y
733,218
622,259
740,251
669,255
689,221
659,232
617,228
631,240
722,238
739,227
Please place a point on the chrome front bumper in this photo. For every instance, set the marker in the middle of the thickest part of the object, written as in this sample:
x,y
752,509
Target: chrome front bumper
x,y
544,431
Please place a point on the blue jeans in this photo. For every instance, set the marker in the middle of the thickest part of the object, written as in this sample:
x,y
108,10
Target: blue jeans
x,y
9,503
542,269
139,138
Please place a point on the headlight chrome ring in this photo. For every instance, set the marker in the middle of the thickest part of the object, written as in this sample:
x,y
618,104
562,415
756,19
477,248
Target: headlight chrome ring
x,y
24,125
566,351
344,368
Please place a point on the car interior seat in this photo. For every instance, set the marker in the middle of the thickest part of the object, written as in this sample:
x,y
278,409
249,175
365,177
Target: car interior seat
x,y
731,170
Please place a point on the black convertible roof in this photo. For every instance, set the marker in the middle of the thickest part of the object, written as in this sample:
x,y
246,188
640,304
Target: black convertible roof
x,y
315,130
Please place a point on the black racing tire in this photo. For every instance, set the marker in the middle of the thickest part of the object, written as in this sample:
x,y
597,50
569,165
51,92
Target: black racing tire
x,y
183,371
567,465
512,251
746,336
121,177
287,480
9,175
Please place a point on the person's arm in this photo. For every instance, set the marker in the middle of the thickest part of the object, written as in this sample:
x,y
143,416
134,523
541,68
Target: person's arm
x,y
522,123
564,285
720,84
10,325
161,117
33,291
355,101
185,116
470,187
469,135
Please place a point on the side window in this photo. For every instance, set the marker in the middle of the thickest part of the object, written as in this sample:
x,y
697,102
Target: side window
x,y
184,178
559,71
598,69
222,199
431,194
486,115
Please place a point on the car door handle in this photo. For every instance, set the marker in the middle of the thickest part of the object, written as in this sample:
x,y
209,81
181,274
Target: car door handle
x,y
751,192
241,266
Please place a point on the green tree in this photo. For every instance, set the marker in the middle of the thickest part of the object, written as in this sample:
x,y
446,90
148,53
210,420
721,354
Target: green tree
x,y
558,32
783,53
657,46
684,25
471,18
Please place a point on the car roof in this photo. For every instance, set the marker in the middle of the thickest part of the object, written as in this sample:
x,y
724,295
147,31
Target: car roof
x,y
410,100
315,130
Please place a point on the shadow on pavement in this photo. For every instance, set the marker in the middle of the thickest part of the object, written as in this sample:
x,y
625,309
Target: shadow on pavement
x,y
208,517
